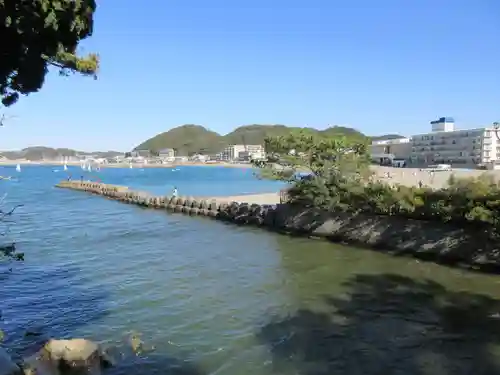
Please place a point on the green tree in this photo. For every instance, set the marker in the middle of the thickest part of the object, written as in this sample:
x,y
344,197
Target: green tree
x,y
36,34
331,164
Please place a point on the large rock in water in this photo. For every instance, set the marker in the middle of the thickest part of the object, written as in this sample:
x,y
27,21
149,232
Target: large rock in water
x,y
7,365
68,357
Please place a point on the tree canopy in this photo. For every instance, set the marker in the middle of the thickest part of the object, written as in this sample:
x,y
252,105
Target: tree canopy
x,y
322,156
36,34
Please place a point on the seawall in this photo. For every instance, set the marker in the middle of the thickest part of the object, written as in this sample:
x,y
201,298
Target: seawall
x,y
436,241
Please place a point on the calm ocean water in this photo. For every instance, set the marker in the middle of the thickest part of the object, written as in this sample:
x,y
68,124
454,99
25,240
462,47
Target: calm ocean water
x,y
212,298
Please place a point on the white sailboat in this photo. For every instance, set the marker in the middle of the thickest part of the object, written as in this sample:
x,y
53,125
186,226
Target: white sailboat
x,y
130,165
65,167
18,168
89,168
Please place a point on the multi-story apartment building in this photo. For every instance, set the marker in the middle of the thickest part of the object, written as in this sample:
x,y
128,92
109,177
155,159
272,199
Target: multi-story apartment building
x,y
387,150
242,152
445,145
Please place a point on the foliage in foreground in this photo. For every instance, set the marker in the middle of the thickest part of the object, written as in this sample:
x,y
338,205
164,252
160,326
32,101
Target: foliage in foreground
x,y
38,34
328,159
8,250
474,200
340,182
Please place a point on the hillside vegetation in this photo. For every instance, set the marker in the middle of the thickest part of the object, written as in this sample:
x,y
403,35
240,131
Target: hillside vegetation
x,y
191,139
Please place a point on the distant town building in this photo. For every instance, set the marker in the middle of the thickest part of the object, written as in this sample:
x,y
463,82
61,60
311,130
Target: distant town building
x,y
199,158
445,145
470,148
243,152
138,153
166,153
443,124
386,151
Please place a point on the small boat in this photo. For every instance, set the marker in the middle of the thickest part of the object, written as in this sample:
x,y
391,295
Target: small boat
x,y
65,167
130,166
18,168
5,178
89,168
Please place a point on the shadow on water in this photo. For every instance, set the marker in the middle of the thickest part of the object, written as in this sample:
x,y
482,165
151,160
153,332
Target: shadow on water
x,y
156,364
38,303
389,324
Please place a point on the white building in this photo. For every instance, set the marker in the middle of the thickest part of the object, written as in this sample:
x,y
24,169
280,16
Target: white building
x,y
445,145
199,158
243,152
166,153
387,150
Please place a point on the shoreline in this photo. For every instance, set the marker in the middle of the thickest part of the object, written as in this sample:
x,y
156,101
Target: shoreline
x,y
13,163
445,243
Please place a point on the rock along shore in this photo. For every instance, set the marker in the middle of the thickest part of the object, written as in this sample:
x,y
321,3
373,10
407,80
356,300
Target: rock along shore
x,y
443,243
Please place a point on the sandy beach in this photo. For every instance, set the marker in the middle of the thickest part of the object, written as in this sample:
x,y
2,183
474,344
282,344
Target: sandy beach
x,y
437,180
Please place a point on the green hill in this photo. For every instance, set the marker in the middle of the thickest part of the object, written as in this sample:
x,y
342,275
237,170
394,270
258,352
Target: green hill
x,y
186,139
190,139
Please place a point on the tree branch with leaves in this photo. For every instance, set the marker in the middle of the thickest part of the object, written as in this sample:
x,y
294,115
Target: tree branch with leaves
x,y
37,34
8,249
316,166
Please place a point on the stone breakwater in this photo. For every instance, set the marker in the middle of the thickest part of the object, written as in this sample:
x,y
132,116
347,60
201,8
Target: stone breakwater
x,y
436,241
221,208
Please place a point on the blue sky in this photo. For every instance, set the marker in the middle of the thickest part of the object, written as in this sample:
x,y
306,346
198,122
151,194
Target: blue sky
x,y
386,66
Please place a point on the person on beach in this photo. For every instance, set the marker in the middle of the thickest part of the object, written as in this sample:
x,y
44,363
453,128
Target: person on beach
x,y
174,192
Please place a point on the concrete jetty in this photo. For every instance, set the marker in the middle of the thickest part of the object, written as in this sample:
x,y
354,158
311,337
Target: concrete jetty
x,y
446,243
220,207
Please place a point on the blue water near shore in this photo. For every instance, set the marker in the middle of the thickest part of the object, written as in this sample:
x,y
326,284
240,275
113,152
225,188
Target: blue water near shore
x,y
189,180
213,298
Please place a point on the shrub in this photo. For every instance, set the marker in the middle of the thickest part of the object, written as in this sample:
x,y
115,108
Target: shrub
x,y
471,200
340,180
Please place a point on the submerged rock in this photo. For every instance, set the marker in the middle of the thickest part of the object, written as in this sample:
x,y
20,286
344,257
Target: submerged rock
x,y
67,357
